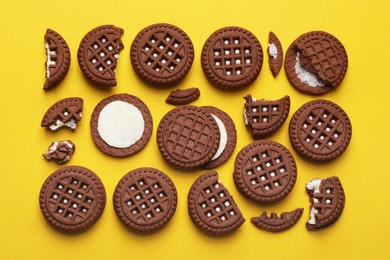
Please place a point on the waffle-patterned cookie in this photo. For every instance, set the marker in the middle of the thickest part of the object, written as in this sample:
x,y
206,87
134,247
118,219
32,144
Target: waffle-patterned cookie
x,y
265,171
327,200
275,223
211,207
183,96
275,53
145,199
232,57
60,151
58,59
162,54
263,117
98,53
320,130
316,62
72,198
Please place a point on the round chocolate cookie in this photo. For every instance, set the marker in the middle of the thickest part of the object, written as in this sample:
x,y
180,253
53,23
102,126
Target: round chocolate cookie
x,y
320,130
72,198
232,58
265,171
162,54
145,199
121,125
316,62
188,136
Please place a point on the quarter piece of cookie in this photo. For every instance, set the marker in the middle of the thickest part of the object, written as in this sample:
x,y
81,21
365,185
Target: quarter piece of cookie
x,y
275,223
188,136
72,199
320,130
211,207
121,125
265,171
264,117
275,53
60,151
58,59
145,199
232,58
98,54
162,54
316,62
65,112
183,96
327,200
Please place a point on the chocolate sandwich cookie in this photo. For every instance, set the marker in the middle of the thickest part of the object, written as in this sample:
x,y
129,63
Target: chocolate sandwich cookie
x,y
316,62
162,54
188,136
263,117
98,53
145,199
327,200
211,207
72,199
60,151
265,171
232,58
58,59
121,125
320,130
65,112
183,96
275,53
275,223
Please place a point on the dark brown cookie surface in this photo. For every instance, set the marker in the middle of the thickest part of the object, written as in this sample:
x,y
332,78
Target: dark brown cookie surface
x,y
275,53
327,200
316,62
275,223
183,96
320,130
98,53
58,59
60,151
232,58
211,207
263,117
121,125
72,198
162,54
145,199
265,171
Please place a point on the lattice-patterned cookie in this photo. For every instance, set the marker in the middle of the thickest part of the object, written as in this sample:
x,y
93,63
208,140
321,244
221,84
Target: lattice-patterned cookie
x,y
275,223
211,207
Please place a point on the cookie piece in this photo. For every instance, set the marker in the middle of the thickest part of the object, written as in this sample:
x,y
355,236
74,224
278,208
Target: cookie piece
x,y
275,223
98,53
232,58
162,54
316,62
228,137
121,125
58,59
72,198
188,137
320,130
65,112
263,117
183,96
60,151
327,200
275,54
265,171
211,207
145,199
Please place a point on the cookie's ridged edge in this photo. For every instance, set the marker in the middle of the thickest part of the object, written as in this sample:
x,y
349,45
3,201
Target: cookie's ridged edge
x,y
101,192
60,75
118,204
240,183
183,96
275,64
161,81
294,138
223,83
194,214
260,223
63,102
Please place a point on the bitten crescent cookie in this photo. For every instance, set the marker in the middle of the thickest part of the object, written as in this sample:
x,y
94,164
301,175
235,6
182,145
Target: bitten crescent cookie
x,y
275,223
275,53
183,96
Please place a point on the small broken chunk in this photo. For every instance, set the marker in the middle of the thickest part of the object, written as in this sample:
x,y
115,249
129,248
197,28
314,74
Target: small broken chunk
x,y
183,96
60,151
275,53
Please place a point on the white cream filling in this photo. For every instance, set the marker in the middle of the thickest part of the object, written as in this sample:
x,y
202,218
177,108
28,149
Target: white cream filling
x,y
223,138
306,76
272,50
49,61
314,185
120,124
71,124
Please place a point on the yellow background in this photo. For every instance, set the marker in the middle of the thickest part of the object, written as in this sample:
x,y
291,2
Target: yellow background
x,y
361,232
